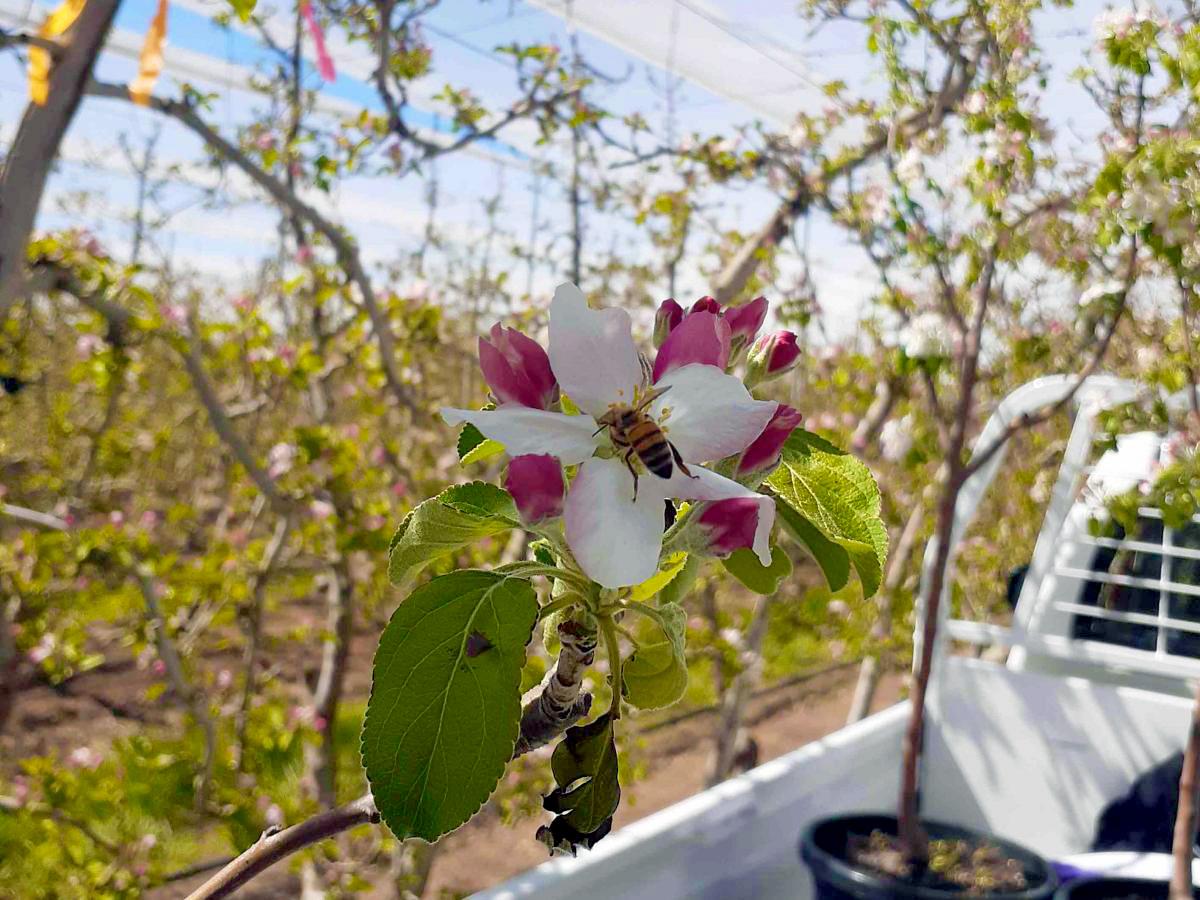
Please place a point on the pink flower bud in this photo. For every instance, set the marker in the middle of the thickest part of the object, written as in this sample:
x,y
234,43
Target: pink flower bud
x,y
707,304
517,369
729,525
771,356
744,321
666,320
536,483
764,452
702,337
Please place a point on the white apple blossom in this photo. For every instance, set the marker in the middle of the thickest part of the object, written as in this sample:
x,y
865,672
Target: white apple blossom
x,y
925,336
1101,289
975,103
911,167
706,414
896,439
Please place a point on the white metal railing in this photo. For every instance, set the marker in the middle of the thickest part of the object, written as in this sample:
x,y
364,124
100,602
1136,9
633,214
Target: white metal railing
x,y
1039,594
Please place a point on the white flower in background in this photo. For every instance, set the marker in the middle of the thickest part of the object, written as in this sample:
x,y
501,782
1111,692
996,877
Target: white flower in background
x,y
975,103
705,413
925,336
1115,24
1102,289
281,458
896,439
911,167
1149,200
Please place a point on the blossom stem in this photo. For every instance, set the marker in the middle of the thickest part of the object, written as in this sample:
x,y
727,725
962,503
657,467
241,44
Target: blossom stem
x,y
528,569
671,538
612,647
561,602
646,610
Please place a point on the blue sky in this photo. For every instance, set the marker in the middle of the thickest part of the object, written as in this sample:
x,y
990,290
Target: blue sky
x,y
739,60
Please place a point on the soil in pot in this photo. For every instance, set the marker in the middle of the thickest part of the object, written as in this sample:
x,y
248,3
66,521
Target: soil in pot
x,y
858,858
1114,889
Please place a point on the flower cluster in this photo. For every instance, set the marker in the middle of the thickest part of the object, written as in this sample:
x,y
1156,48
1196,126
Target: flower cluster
x,y
925,336
636,433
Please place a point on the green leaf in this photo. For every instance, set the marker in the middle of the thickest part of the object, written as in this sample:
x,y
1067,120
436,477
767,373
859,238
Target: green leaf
x,y
833,560
243,8
656,675
588,793
744,566
473,447
454,518
670,568
445,704
838,496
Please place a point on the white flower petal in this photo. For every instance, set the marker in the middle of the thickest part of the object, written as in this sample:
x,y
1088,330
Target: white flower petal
x,y
592,352
616,541
712,415
708,485
524,430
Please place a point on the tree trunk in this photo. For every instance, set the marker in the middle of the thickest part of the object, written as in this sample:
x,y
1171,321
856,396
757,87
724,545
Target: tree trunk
x,y
872,669
1185,818
733,703
36,146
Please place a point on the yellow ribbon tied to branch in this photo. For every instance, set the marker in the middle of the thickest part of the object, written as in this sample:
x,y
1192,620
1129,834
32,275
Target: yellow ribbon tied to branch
x,y
39,58
151,61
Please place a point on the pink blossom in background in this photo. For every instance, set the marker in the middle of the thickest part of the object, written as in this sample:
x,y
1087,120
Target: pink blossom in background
x,y
265,141
399,489
224,679
379,455
43,650
19,787
85,758
321,509
149,519
304,254
87,344
324,62
174,314
287,353
158,667
243,303
116,518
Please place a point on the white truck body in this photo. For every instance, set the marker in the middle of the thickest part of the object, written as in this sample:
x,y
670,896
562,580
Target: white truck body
x,y
1030,750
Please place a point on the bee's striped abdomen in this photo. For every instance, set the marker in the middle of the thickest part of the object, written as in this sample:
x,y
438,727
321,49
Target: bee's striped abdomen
x,y
651,446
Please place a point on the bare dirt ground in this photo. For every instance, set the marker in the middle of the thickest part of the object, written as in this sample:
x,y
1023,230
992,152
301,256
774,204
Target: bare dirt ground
x,y
106,703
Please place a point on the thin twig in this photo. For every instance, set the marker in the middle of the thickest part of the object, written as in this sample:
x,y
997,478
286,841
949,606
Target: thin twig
x,y
271,848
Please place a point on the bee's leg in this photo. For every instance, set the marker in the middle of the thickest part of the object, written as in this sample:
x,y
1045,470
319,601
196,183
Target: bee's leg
x,y
679,461
628,460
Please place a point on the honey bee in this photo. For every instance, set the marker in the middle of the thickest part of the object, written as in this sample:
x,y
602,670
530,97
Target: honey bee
x,y
634,432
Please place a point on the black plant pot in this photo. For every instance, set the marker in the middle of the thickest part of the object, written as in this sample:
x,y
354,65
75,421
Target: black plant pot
x,y
825,842
1114,889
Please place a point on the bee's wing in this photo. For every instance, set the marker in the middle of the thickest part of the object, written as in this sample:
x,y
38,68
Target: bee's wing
x,y
647,370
